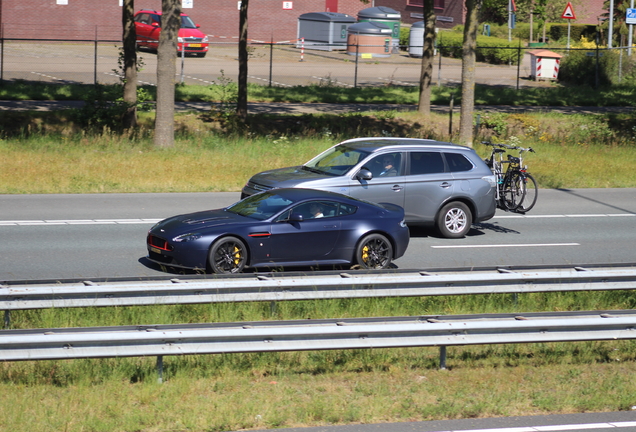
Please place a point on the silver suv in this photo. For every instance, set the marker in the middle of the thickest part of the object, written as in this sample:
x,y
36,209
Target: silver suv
x,y
438,183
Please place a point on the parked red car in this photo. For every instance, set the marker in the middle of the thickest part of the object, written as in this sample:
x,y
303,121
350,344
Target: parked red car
x,y
148,26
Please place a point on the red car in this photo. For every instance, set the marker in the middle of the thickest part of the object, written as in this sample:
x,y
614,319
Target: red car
x,y
148,26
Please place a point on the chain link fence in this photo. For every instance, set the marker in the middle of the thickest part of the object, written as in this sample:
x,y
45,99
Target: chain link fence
x,y
293,64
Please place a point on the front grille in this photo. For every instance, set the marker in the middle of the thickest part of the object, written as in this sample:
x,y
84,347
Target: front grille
x,y
192,40
159,243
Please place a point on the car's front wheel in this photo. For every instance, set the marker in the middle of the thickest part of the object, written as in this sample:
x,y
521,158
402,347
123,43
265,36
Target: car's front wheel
x,y
228,255
454,220
374,252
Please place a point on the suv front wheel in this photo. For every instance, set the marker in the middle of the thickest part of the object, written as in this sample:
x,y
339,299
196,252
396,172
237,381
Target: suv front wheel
x,y
454,220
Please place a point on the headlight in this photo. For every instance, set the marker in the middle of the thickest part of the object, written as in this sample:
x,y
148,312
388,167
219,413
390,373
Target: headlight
x,y
403,223
187,237
179,39
205,40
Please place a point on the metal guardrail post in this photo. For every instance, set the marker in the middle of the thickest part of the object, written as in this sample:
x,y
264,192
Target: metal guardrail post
x,y
159,369
442,357
7,319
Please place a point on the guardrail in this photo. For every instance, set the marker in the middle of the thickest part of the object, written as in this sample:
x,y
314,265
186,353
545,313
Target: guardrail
x,y
324,334
274,287
442,331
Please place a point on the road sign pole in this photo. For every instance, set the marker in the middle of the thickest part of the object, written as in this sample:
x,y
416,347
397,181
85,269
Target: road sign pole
x,y
631,32
568,34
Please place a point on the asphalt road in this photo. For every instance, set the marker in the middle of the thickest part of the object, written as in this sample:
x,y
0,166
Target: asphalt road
x,y
103,236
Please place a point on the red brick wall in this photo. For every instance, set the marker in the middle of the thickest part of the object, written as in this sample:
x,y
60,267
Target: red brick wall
x,y
84,19
453,9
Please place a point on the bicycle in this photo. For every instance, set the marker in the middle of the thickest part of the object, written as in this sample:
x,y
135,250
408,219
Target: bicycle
x,y
516,188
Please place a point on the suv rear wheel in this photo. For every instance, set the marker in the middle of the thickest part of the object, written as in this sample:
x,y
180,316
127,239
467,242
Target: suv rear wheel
x,y
454,220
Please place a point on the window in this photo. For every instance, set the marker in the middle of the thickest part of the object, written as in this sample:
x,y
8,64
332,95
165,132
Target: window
x,y
426,163
458,162
385,165
319,209
438,4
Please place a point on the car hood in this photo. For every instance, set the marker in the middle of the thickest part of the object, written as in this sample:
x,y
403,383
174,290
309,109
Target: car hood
x,y
204,220
287,177
189,32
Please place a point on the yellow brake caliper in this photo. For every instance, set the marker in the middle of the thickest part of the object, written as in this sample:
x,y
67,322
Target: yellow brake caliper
x,y
365,253
237,255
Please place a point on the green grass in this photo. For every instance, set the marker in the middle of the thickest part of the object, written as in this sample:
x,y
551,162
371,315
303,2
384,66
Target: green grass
x,y
49,153
271,390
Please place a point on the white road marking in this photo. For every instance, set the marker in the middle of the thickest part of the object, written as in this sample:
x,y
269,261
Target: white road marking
x,y
566,427
78,222
520,216
506,245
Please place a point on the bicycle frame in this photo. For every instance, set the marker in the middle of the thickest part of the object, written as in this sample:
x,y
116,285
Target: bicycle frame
x,y
511,183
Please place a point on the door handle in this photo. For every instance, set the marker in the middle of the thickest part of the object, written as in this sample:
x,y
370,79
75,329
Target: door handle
x,y
396,188
445,185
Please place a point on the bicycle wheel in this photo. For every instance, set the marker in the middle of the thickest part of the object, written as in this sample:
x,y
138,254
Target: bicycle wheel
x,y
531,191
513,189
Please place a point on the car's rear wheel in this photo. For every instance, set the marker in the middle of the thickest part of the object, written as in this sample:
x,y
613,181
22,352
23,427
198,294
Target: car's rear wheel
x,y
454,220
374,252
228,255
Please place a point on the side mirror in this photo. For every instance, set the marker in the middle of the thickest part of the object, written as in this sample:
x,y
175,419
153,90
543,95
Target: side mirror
x,y
198,25
364,174
296,217
155,24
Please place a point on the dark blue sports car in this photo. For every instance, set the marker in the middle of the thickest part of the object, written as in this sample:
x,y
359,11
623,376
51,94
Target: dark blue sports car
x,y
282,228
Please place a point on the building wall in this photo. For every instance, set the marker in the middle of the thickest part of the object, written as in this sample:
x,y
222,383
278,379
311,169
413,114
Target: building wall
x,y
101,19
588,12
450,15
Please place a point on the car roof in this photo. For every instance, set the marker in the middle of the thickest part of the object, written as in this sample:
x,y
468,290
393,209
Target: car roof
x,y
155,12
373,144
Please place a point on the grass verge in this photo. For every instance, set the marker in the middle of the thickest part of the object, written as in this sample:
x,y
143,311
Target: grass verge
x,y
49,153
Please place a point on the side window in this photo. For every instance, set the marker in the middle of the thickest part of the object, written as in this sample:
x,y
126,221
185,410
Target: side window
x,y
156,18
426,163
317,209
458,162
143,18
346,209
386,165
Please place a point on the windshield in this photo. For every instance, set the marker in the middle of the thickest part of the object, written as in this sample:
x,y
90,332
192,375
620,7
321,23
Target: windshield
x,y
186,22
336,161
260,206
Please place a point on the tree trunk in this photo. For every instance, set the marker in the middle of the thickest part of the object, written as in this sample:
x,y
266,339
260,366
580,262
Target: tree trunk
x,y
428,55
468,72
241,105
129,118
166,71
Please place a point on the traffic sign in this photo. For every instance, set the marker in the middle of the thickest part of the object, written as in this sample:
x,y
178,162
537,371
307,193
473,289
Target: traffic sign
x,y
568,13
630,17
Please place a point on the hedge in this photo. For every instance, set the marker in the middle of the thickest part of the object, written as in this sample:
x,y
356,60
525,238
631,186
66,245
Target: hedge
x,y
489,49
